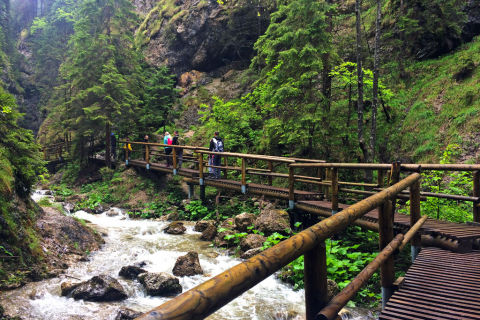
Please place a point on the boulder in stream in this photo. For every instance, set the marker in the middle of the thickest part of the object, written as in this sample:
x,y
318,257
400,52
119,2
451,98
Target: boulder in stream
x,y
131,272
250,253
272,220
160,283
252,241
127,314
67,287
203,224
209,232
99,288
244,220
187,265
176,227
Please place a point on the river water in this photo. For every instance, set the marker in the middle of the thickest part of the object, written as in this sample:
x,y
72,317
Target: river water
x,y
132,241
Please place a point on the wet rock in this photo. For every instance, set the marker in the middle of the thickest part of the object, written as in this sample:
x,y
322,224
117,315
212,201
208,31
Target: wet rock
x,y
243,221
172,216
187,265
99,209
112,212
131,272
67,287
332,289
272,220
209,233
58,198
127,314
68,206
202,225
250,253
252,241
99,288
226,228
176,227
160,283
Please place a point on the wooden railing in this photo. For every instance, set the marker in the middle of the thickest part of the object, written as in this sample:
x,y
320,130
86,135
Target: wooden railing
x,y
211,295
394,170
296,174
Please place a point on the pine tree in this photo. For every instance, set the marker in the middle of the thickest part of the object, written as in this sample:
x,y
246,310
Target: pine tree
x,y
102,72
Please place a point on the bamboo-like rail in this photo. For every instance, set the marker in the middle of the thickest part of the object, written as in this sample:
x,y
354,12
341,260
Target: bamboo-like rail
x,y
211,295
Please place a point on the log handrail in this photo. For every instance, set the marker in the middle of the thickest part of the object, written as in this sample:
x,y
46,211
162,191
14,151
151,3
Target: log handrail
x,y
208,297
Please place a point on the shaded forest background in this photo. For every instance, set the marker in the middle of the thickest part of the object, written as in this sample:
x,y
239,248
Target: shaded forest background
x,y
279,77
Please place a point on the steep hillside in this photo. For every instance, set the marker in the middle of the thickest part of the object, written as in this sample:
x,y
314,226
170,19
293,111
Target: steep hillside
x,y
441,102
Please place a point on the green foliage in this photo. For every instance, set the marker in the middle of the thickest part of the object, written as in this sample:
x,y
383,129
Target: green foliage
x,y
345,259
456,183
195,210
20,157
160,95
426,28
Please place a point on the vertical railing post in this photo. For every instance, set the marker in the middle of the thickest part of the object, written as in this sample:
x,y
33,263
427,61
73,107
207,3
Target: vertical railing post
x,y
225,164
476,193
414,217
270,168
147,156
45,153
328,189
315,279
321,187
385,235
334,176
394,178
244,175
200,176
174,155
380,177
126,153
291,188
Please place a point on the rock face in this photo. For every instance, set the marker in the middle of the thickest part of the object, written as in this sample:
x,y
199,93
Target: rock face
x,y
175,228
200,35
131,272
252,241
187,265
160,284
272,220
99,288
244,220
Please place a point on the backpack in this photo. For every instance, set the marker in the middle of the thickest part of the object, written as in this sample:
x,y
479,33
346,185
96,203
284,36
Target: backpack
x,y
218,145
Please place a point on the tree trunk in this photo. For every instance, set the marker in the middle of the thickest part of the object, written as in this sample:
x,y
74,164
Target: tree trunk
x,y
361,138
108,161
376,62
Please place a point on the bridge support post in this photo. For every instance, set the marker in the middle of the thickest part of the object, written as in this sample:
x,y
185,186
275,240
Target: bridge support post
x,y
174,155
414,217
191,190
387,270
244,175
291,188
476,193
315,279
202,192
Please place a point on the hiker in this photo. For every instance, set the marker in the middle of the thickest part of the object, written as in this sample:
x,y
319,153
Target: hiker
x,y
145,139
167,139
128,149
113,146
178,151
216,145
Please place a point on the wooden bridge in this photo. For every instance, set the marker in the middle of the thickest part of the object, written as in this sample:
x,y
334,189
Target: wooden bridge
x,y
442,283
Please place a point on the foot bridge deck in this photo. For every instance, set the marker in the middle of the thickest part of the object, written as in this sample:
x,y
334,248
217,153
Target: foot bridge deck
x,y
462,237
440,285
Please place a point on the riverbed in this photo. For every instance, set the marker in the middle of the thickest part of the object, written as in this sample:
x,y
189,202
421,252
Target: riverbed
x,y
130,241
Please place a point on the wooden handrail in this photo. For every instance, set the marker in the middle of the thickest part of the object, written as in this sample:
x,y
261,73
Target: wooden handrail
x,y
206,298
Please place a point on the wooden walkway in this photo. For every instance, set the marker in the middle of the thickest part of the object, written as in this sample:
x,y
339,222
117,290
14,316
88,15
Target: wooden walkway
x,y
462,237
440,285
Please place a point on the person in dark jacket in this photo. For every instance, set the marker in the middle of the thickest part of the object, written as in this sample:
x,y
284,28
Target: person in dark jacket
x,y
216,145
178,151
